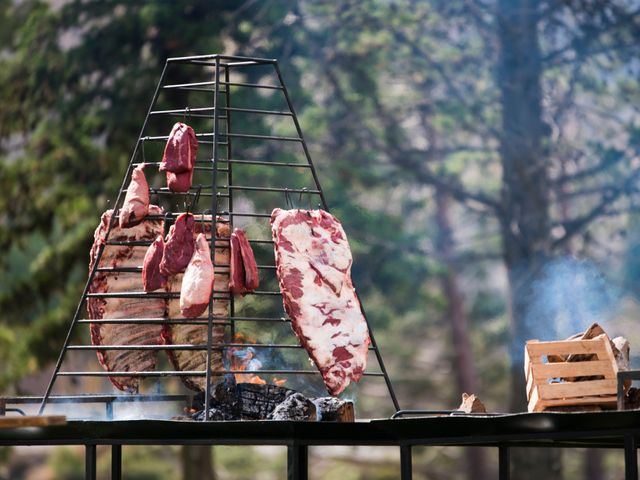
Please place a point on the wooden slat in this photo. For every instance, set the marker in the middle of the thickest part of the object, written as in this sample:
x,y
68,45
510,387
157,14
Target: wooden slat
x,y
568,347
604,400
543,371
577,389
32,421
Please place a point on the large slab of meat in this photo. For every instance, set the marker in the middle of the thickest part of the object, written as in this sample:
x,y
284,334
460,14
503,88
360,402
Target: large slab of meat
x,y
181,149
187,360
124,333
313,262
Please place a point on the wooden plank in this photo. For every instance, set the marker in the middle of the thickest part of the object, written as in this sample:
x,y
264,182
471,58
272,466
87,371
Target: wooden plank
x,y
567,347
32,421
605,400
534,401
577,389
543,371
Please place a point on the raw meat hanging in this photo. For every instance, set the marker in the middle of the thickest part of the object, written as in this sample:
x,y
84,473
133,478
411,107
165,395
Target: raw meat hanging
x,y
179,182
136,201
188,360
152,277
180,150
178,248
197,282
112,308
313,261
244,271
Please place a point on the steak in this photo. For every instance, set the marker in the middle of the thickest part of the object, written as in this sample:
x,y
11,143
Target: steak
x,y
197,334
124,333
136,201
197,281
152,278
180,150
179,182
244,271
313,261
179,246
236,274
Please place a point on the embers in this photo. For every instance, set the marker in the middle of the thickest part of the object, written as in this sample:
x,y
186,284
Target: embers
x,y
253,401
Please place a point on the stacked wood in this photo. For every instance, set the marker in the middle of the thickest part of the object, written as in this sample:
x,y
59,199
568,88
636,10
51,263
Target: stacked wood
x,y
575,372
295,407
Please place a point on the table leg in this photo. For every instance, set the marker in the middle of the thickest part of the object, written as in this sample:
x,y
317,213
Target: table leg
x,y
406,466
504,467
630,458
90,462
298,462
116,462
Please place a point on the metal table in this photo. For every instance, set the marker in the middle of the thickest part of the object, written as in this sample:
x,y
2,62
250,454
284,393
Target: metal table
x,y
555,430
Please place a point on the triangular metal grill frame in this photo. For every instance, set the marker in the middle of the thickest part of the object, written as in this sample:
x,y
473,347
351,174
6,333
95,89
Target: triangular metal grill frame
x,y
220,136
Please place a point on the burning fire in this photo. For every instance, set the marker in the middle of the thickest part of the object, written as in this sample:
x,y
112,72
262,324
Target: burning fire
x,y
247,359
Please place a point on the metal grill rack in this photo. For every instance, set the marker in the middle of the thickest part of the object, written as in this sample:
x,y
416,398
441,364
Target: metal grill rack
x,y
209,105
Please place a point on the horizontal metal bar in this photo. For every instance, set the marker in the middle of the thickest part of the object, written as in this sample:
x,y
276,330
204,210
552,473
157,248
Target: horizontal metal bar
x,y
197,112
86,398
196,373
154,321
164,138
204,320
199,168
241,214
273,189
270,164
214,56
182,86
222,294
189,346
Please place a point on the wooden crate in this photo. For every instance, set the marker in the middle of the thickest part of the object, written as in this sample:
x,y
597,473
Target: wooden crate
x,y
547,384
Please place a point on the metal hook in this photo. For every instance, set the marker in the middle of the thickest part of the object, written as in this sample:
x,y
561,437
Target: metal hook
x,y
287,198
187,111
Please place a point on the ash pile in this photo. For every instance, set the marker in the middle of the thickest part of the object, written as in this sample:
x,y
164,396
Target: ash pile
x,y
230,400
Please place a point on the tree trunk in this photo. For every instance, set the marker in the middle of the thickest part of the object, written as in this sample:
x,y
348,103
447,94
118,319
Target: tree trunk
x,y
197,462
525,224
457,316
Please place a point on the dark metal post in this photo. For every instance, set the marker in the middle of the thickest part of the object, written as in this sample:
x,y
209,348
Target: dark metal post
x,y
116,462
90,462
630,458
504,465
298,462
406,465
214,233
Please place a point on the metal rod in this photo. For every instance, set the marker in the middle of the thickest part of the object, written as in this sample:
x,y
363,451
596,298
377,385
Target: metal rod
x,y
270,164
184,321
504,464
196,373
195,111
100,398
217,56
159,294
307,155
214,234
232,308
297,462
76,315
630,458
185,86
185,346
406,467
116,462
164,138
90,462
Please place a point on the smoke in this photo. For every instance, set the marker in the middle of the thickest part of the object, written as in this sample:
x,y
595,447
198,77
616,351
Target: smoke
x,y
568,296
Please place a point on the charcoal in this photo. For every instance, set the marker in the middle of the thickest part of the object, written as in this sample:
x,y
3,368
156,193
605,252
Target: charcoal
x,y
332,409
257,401
215,414
295,407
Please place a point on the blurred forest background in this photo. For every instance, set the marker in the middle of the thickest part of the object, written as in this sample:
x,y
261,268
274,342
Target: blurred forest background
x,y
482,155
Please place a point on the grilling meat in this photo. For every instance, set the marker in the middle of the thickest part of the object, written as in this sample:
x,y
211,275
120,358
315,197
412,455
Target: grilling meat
x,y
124,333
180,182
197,334
136,201
152,278
313,262
180,150
179,246
197,282
244,271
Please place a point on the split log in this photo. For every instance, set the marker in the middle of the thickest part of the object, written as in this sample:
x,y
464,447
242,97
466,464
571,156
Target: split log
x,y
471,404
332,409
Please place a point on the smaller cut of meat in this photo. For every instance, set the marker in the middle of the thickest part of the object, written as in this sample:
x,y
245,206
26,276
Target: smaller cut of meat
x,y
178,248
179,182
237,277
197,282
244,271
180,150
152,278
136,201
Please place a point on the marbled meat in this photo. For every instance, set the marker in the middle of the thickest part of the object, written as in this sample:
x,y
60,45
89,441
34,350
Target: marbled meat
x,y
313,261
124,333
244,271
179,182
189,360
136,201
